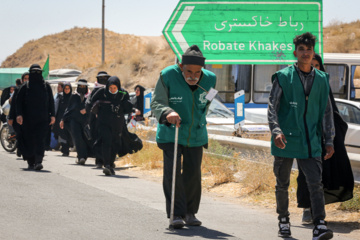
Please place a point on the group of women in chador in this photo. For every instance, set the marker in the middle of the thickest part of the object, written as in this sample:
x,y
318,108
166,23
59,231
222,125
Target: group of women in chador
x,y
93,122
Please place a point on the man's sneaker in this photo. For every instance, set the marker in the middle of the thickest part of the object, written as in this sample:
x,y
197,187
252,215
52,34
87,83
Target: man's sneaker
x,y
307,217
38,166
284,228
178,222
99,165
112,171
321,232
107,170
191,220
31,166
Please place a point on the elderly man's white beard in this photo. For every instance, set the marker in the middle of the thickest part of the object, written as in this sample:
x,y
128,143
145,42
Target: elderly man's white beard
x,y
190,78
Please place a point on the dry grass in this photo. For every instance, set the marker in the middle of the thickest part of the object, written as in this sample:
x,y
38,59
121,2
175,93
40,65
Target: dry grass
x,y
342,38
243,177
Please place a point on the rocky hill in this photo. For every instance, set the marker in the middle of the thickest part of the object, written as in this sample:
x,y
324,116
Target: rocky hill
x,y
135,59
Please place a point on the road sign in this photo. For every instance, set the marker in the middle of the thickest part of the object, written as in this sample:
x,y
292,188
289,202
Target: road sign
x,y
239,109
243,32
147,101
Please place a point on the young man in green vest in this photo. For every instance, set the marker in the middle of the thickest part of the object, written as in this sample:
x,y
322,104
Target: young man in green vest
x,y
299,114
179,101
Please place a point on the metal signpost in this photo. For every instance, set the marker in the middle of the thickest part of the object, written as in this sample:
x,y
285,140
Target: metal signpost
x,y
243,32
239,109
147,101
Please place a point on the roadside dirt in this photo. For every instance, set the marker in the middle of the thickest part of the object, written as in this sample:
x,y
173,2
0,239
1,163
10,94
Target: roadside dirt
x,y
231,192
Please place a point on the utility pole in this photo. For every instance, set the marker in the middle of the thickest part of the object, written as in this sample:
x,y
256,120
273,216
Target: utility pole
x,y
103,33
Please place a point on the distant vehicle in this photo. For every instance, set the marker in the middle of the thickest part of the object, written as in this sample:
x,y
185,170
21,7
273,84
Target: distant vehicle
x,y
350,112
255,80
220,120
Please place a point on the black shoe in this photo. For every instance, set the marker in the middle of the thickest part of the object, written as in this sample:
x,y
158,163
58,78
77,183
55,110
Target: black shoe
x,y
112,171
321,232
99,165
18,153
38,166
107,170
178,222
307,217
113,165
65,154
31,166
191,220
80,161
284,228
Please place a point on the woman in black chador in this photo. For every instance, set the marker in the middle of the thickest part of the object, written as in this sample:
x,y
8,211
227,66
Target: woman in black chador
x,y
138,103
62,135
109,104
35,112
75,117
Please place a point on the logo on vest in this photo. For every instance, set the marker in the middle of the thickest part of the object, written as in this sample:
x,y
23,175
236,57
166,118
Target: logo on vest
x,y
202,98
293,104
175,99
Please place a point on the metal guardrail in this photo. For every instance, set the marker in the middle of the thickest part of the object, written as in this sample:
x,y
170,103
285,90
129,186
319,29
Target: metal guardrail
x,y
249,146
253,144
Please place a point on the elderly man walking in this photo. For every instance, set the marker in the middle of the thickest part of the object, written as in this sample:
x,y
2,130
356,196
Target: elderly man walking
x,y
179,101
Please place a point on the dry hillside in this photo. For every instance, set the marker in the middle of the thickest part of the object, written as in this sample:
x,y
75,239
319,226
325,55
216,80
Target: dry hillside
x,y
342,38
134,59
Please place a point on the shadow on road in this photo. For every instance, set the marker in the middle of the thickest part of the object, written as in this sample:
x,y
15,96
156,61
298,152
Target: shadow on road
x,y
117,176
344,227
37,171
201,232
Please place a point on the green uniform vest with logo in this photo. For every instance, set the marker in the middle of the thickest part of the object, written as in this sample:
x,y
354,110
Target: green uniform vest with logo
x,y
190,105
300,117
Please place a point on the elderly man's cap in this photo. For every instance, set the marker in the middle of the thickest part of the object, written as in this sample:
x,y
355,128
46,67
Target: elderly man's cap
x,y
193,56
35,67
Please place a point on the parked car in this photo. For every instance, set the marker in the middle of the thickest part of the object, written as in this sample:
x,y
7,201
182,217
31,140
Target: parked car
x,y
350,112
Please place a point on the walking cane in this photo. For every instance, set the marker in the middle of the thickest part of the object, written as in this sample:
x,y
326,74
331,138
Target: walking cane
x,y
171,226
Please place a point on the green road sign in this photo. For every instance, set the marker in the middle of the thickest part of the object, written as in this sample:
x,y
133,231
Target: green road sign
x,y
243,32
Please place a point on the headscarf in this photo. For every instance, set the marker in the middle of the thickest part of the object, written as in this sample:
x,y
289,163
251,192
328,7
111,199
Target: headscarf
x,y
319,59
35,78
67,96
82,91
114,80
138,101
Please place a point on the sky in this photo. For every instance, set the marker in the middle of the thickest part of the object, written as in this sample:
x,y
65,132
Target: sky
x,y
25,20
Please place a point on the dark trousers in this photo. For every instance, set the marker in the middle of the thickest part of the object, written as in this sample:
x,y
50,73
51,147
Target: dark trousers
x,y
188,181
302,193
79,139
33,140
312,169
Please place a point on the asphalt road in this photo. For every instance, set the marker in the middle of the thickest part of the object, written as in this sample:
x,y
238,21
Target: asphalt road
x,y
68,201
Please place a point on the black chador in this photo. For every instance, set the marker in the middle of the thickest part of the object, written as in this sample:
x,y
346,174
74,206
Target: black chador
x,y
35,111
75,119
63,135
110,108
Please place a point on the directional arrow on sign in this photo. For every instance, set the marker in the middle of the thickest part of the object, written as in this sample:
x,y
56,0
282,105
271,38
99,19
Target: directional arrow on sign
x,y
180,25
243,32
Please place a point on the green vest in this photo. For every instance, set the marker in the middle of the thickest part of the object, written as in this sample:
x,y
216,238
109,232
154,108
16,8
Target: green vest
x,y
190,105
300,117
